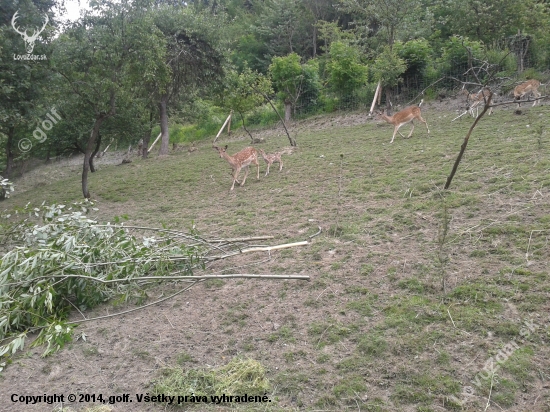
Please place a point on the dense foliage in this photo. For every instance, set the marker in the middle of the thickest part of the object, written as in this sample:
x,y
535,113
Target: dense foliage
x,y
122,62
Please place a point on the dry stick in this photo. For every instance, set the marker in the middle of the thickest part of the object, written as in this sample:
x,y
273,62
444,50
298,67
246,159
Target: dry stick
x,y
375,96
156,140
265,96
490,391
465,143
316,234
184,278
221,130
133,310
422,91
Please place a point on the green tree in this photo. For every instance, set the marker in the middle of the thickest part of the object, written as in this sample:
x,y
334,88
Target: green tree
x,y
23,83
245,91
103,58
345,71
385,16
285,27
291,79
192,52
388,69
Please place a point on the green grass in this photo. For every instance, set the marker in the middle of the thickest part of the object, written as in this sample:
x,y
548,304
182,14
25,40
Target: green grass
x,y
374,308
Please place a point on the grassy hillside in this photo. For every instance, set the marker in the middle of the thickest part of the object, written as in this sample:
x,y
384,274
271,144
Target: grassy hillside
x,y
373,330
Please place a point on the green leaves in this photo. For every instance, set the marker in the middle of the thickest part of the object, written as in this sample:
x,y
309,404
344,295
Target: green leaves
x,y
63,260
388,68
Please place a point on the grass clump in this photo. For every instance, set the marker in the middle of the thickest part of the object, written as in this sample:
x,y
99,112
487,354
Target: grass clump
x,y
238,377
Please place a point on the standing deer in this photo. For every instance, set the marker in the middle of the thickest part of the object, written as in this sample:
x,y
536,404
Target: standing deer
x,y
272,158
244,158
527,88
475,99
403,117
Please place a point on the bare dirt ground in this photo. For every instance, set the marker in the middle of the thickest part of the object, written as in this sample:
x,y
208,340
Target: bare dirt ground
x,y
273,322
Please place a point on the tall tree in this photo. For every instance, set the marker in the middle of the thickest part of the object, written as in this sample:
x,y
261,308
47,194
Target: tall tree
x,y
192,52
22,82
386,16
102,57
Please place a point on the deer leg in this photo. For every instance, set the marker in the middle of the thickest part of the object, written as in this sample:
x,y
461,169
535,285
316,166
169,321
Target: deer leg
x,y
280,165
267,172
395,130
426,123
536,95
235,175
412,129
245,174
258,170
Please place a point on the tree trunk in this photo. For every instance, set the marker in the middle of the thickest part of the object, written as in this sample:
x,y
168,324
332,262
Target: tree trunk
x,y
147,135
165,137
98,144
244,127
314,40
9,152
288,111
88,153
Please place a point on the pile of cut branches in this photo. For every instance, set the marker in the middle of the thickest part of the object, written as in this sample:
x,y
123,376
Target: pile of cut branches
x,y
56,259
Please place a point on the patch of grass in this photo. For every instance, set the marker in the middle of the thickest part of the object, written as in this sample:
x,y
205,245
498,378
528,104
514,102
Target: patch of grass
x,y
235,378
372,345
330,333
284,333
350,386
184,358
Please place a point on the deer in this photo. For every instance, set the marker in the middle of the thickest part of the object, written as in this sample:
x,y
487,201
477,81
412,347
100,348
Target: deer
x,y
475,99
244,158
527,88
272,158
403,117
29,40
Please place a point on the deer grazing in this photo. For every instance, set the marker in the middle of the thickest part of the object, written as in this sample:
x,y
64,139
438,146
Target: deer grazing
x,y
244,158
272,158
527,88
476,99
403,117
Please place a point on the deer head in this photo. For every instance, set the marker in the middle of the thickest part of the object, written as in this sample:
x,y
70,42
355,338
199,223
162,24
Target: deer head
x,y
220,151
29,40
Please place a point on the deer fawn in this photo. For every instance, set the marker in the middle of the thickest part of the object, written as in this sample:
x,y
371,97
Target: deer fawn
x,y
272,158
527,88
244,158
475,99
403,117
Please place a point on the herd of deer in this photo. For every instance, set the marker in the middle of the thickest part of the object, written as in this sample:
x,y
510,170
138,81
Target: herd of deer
x,y
245,158
249,155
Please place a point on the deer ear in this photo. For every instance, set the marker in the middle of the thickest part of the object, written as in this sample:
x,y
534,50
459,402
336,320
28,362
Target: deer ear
x,y
225,148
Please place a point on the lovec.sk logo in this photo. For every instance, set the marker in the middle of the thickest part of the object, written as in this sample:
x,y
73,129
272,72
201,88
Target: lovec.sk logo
x,y
29,40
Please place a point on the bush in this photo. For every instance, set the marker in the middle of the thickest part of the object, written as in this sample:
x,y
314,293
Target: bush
x,y
345,71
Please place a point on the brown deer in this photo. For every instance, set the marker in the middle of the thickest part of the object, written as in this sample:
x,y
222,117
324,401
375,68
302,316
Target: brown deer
x,y
476,99
272,158
527,88
244,158
403,117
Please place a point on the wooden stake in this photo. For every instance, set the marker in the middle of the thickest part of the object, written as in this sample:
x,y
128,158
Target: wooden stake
x,y
376,94
156,140
223,127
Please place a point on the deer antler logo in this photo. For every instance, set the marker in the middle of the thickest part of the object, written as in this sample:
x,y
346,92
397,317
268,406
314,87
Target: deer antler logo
x,y
29,40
